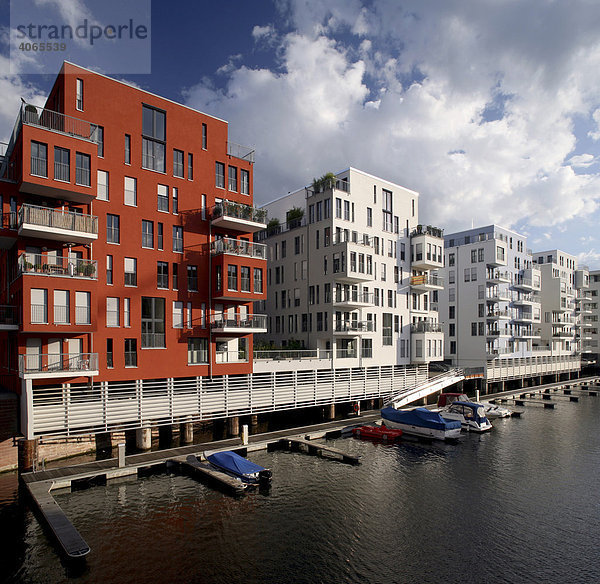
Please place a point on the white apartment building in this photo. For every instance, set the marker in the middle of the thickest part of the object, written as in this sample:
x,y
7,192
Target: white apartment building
x,y
352,274
566,302
491,306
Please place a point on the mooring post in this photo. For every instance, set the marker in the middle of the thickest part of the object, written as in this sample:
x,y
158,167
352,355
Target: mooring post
x,y
143,438
27,453
121,448
245,434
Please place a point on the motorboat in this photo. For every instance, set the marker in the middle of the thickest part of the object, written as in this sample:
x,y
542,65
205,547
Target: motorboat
x,y
377,433
471,415
235,465
421,422
492,411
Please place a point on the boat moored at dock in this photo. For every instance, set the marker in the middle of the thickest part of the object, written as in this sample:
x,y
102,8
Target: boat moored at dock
x,y
471,415
377,433
243,469
421,422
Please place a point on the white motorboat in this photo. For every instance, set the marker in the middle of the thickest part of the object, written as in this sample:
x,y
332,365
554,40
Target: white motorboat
x,y
471,415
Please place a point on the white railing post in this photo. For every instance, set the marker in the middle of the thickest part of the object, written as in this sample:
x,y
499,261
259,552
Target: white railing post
x,y
171,397
104,398
139,389
67,398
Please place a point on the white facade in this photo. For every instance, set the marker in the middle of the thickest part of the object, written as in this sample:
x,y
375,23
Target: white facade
x,y
490,307
340,279
590,349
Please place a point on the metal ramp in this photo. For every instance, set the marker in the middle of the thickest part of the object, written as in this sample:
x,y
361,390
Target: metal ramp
x,y
432,385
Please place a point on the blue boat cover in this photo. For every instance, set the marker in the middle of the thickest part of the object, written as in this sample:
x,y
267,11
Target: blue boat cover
x,y
419,417
234,463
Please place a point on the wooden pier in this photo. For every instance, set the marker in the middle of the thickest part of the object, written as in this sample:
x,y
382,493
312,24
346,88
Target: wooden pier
x,y
203,471
316,449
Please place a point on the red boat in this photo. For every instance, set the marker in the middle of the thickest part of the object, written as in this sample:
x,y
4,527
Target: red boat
x,y
377,433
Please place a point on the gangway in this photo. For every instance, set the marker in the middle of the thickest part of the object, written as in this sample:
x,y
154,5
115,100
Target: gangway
x,y
432,385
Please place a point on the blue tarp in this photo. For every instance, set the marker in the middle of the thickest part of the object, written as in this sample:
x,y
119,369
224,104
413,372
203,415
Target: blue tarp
x,y
234,463
419,417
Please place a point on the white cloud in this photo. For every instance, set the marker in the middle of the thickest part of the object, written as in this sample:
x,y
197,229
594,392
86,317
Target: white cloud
x,y
582,160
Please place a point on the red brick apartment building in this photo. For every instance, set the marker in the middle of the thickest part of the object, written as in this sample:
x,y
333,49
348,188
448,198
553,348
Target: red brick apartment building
x,y
126,250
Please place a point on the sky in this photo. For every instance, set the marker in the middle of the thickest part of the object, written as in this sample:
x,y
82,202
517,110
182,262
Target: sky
x,y
490,109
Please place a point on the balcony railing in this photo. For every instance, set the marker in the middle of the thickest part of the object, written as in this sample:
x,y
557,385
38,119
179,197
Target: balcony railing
x,y
238,247
58,363
427,280
353,296
33,115
8,315
351,326
339,238
231,357
498,314
239,151
39,166
30,263
58,219
426,327
62,171
346,353
239,211
250,321
290,354
428,230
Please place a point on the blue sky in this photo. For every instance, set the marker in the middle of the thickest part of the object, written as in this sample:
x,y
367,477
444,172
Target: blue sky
x,y
489,108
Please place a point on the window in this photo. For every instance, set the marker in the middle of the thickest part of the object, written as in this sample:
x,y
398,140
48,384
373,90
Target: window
x,y
190,166
153,322
39,159
258,281
127,149
452,329
197,351
176,201
452,347
473,274
79,94
109,269
231,277
61,307
451,311
177,314
189,315
347,210
218,277
451,259
112,228
388,210
163,198
130,191
147,234
82,169
204,136
62,170
82,308
153,138
112,311
245,279
102,188
232,182
244,182
473,329
387,328
109,353
100,135
130,352
130,267
159,236
219,175
39,305
369,217
127,312
162,275
178,163
480,254
175,277
338,208
177,238
192,275
467,274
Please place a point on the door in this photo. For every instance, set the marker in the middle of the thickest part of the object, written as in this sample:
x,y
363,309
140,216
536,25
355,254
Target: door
x,y
75,357
33,355
54,354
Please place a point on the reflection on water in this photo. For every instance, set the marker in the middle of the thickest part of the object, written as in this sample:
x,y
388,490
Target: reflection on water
x,y
515,505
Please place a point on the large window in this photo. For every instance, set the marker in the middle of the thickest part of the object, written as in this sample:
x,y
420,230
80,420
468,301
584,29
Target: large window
x,y
130,352
130,191
112,228
197,350
245,279
258,280
177,238
178,163
231,277
163,198
153,322
192,274
82,169
232,184
147,234
387,211
387,328
244,182
62,169
130,271
153,138
39,159
219,175
162,275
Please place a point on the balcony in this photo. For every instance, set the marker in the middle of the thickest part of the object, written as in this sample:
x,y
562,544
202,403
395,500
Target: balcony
x,y
494,353
427,245
563,334
57,225
498,277
9,320
353,327
42,366
529,300
527,333
351,271
240,356
427,339
57,266
32,115
495,333
353,298
424,326
238,247
239,325
525,317
238,217
498,315
240,151
426,282
498,296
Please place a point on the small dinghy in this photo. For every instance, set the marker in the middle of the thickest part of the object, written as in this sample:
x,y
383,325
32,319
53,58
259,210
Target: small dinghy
x,y
377,433
240,467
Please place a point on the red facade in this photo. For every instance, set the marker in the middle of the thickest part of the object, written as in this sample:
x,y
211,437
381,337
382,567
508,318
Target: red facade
x,y
126,231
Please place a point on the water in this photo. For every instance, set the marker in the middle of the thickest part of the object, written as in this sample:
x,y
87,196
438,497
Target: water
x,y
516,505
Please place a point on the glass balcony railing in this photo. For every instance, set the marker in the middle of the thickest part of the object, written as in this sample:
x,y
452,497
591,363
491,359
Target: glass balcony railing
x,y
238,247
58,363
426,327
31,263
249,321
239,211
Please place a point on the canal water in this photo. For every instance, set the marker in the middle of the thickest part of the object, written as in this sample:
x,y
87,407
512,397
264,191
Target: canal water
x,y
519,504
